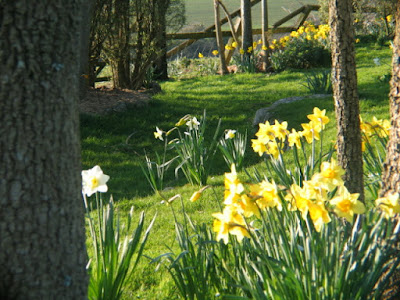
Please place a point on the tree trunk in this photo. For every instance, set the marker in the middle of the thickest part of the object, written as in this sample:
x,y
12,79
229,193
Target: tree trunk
x,y
42,228
391,168
344,82
247,35
86,11
220,42
122,64
161,65
264,36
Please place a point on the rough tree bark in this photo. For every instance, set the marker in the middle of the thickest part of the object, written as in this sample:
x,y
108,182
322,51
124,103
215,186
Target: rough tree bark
x,y
247,34
344,82
391,168
42,228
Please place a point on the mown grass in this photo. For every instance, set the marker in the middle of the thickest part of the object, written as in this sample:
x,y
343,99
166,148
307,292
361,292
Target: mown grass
x,y
117,142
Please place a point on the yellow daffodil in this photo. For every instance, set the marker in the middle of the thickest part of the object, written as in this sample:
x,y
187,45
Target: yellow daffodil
x,y
357,41
197,194
158,134
241,51
346,205
330,175
389,205
259,42
250,49
280,130
258,146
233,187
228,47
215,52
230,222
266,132
234,44
201,55
298,199
319,215
263,47
248,207
272,149
309,132
389,18
254,45
93,180
272,47
294,34
266,195
294,139
319,117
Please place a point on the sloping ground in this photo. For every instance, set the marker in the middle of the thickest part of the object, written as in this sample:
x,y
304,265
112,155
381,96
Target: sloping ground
x,y
104,100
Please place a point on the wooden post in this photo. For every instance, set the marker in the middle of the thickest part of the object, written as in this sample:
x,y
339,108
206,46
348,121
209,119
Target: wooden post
x,y
220,42
247,35
264,36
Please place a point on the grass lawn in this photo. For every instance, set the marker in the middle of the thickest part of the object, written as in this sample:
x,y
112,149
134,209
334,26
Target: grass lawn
x,y
117,142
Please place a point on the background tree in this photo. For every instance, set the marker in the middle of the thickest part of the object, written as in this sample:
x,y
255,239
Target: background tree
x,y
42,228
247,34
391,168
345,93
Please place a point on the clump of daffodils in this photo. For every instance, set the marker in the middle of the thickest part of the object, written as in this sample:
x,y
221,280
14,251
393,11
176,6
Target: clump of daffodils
x,y
318,199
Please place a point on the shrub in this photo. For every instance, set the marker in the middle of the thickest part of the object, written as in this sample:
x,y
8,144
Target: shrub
x,y
305,48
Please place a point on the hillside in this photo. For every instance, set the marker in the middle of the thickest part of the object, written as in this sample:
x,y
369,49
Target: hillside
x,y
201,11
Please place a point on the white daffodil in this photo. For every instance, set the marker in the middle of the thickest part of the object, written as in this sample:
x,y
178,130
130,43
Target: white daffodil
x,y
230,134
93,181
158,134
193,123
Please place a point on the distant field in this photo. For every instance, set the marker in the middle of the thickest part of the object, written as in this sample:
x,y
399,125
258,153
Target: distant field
x,y
202,11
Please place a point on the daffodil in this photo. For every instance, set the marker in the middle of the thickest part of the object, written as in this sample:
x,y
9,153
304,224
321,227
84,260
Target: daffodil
x,y
294,138
250,49
93,180
266,132
280,130
158,134
263,47
318,214
228,47
248,206
319,117
230,221
298,199
234,44
310,132
193,123
201,55
389,205
330,175
266,194
346,204
233,187
230,134
258,146
215,52
272,149
254,45
241,51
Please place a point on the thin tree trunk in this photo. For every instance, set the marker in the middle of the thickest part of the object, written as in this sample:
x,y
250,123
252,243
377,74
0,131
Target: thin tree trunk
x,y
42,228
220,42
264,36
344,82
161,65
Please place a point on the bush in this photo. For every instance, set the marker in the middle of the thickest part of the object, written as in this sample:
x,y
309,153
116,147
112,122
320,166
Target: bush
x,y
305,48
